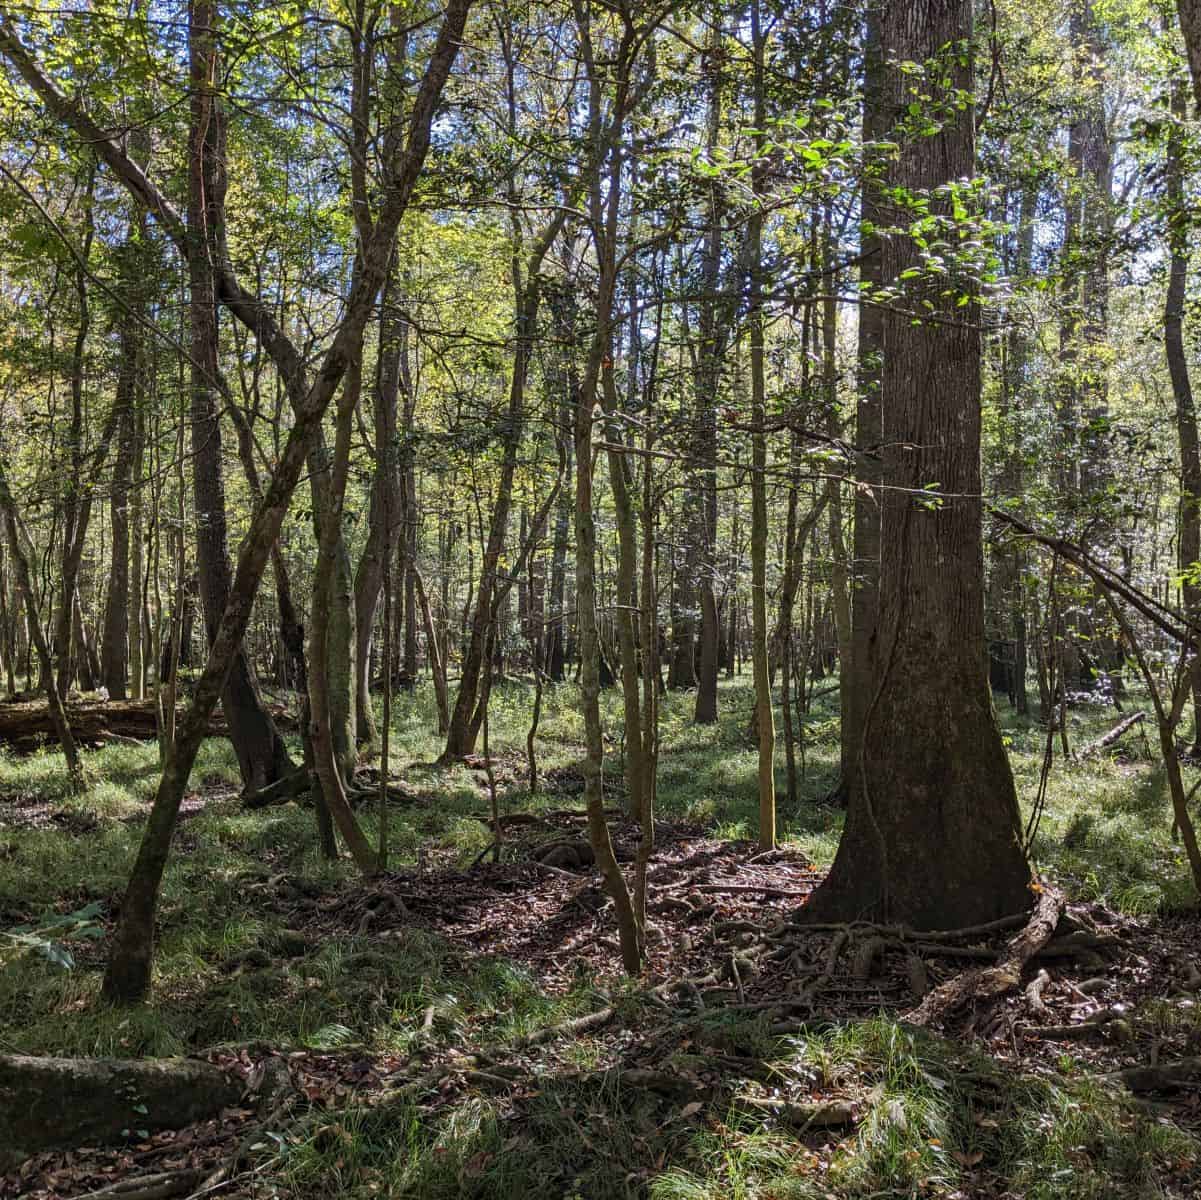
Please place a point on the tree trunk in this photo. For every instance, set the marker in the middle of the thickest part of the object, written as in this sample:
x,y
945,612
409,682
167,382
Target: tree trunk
x,y
114,662
1189,539
932,836
136,599
703,526
764,720
262,756
330,770
19,554
77,495
589,639
385,489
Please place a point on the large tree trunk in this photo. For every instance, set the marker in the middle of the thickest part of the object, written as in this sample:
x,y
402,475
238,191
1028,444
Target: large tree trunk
x,y
932,836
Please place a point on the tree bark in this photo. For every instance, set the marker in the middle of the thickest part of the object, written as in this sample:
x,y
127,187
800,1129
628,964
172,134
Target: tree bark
x,y
712,329
329,769
932,836
78,495
605,135
764,720
114,661
385,487
19,554
1189,520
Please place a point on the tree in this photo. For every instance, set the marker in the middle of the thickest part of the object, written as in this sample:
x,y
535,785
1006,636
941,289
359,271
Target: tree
x,y
932,836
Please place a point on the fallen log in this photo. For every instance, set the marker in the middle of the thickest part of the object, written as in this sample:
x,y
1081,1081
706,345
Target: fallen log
x,y
1107,739
60,1103
27,726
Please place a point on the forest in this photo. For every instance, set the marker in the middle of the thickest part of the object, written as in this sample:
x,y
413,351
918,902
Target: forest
x,y
600,599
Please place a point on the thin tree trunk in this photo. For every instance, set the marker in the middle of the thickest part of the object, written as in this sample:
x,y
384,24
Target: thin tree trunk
x,y
764,720
19,551
262,756
703,534
434,650
603,208
1189,540
385,488
114,643
137,669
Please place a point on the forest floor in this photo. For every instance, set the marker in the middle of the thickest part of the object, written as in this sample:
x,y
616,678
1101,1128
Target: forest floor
x,y
460,1027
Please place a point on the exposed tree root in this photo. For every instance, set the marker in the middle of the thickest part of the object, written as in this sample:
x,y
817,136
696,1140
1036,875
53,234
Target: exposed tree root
x,y
990,982
828,1114
162,1185
300,784
1034,994
1169,1077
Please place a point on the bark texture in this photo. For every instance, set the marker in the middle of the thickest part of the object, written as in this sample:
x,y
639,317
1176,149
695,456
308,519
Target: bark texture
x,y
1189,539
932,835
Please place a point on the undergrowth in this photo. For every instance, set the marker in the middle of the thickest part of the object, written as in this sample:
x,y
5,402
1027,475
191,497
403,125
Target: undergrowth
x,y
934,1120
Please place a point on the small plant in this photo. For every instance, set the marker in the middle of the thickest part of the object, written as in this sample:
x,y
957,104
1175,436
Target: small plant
x,y
47,936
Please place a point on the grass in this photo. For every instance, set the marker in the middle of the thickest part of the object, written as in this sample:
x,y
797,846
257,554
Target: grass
x,y
935,1120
